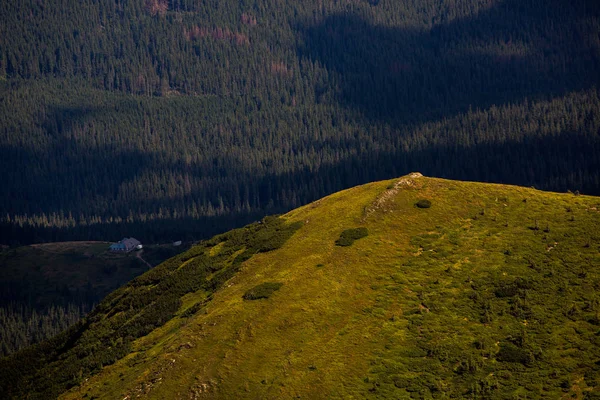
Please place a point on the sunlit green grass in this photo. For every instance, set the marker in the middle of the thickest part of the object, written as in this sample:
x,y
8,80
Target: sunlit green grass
x,y
491,292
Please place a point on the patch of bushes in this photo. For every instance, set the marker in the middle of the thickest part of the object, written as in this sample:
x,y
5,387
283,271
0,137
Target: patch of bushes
x,y
511,353
423,203
262,291
508,290
193,309
512,289
273,234
348,236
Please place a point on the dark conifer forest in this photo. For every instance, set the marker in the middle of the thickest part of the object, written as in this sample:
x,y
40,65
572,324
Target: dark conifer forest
x,y
176,119
46,288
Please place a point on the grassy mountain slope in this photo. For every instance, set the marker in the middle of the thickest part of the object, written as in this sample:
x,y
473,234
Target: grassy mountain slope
x,y
491,292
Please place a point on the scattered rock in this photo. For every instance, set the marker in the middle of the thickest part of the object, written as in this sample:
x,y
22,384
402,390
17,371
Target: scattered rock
x,y
186,345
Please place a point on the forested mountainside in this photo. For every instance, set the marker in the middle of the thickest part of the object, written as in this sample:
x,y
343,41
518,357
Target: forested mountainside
x,y
413,288
46,288
181,118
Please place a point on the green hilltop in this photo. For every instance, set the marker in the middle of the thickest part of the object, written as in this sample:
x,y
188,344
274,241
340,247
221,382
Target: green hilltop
x,y
415,287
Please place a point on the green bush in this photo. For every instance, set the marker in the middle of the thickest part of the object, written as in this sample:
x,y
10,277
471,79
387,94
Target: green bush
x,y
423,203
262,291
511,353
348,236
193,309
509,290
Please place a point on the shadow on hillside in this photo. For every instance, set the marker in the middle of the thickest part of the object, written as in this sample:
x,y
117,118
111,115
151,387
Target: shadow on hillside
x,y
503,55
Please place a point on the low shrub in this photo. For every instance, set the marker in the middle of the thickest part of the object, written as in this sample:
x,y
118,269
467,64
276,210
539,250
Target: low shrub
x,y
348,236
262,291
423,203
509,290
511,353
192,310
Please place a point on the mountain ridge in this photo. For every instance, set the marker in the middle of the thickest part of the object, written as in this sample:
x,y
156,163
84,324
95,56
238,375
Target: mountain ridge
x,y
492,291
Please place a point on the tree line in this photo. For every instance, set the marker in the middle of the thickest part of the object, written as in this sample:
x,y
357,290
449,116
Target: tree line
x,y
22,326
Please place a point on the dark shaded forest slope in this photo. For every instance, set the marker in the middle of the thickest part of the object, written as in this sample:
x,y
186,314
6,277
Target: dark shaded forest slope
x,y
177,119
46,288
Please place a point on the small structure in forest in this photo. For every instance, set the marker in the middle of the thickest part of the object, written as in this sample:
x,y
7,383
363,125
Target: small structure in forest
x,y
125,245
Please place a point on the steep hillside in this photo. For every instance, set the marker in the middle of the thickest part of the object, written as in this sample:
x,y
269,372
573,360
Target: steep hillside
x,y
410,288
186,118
